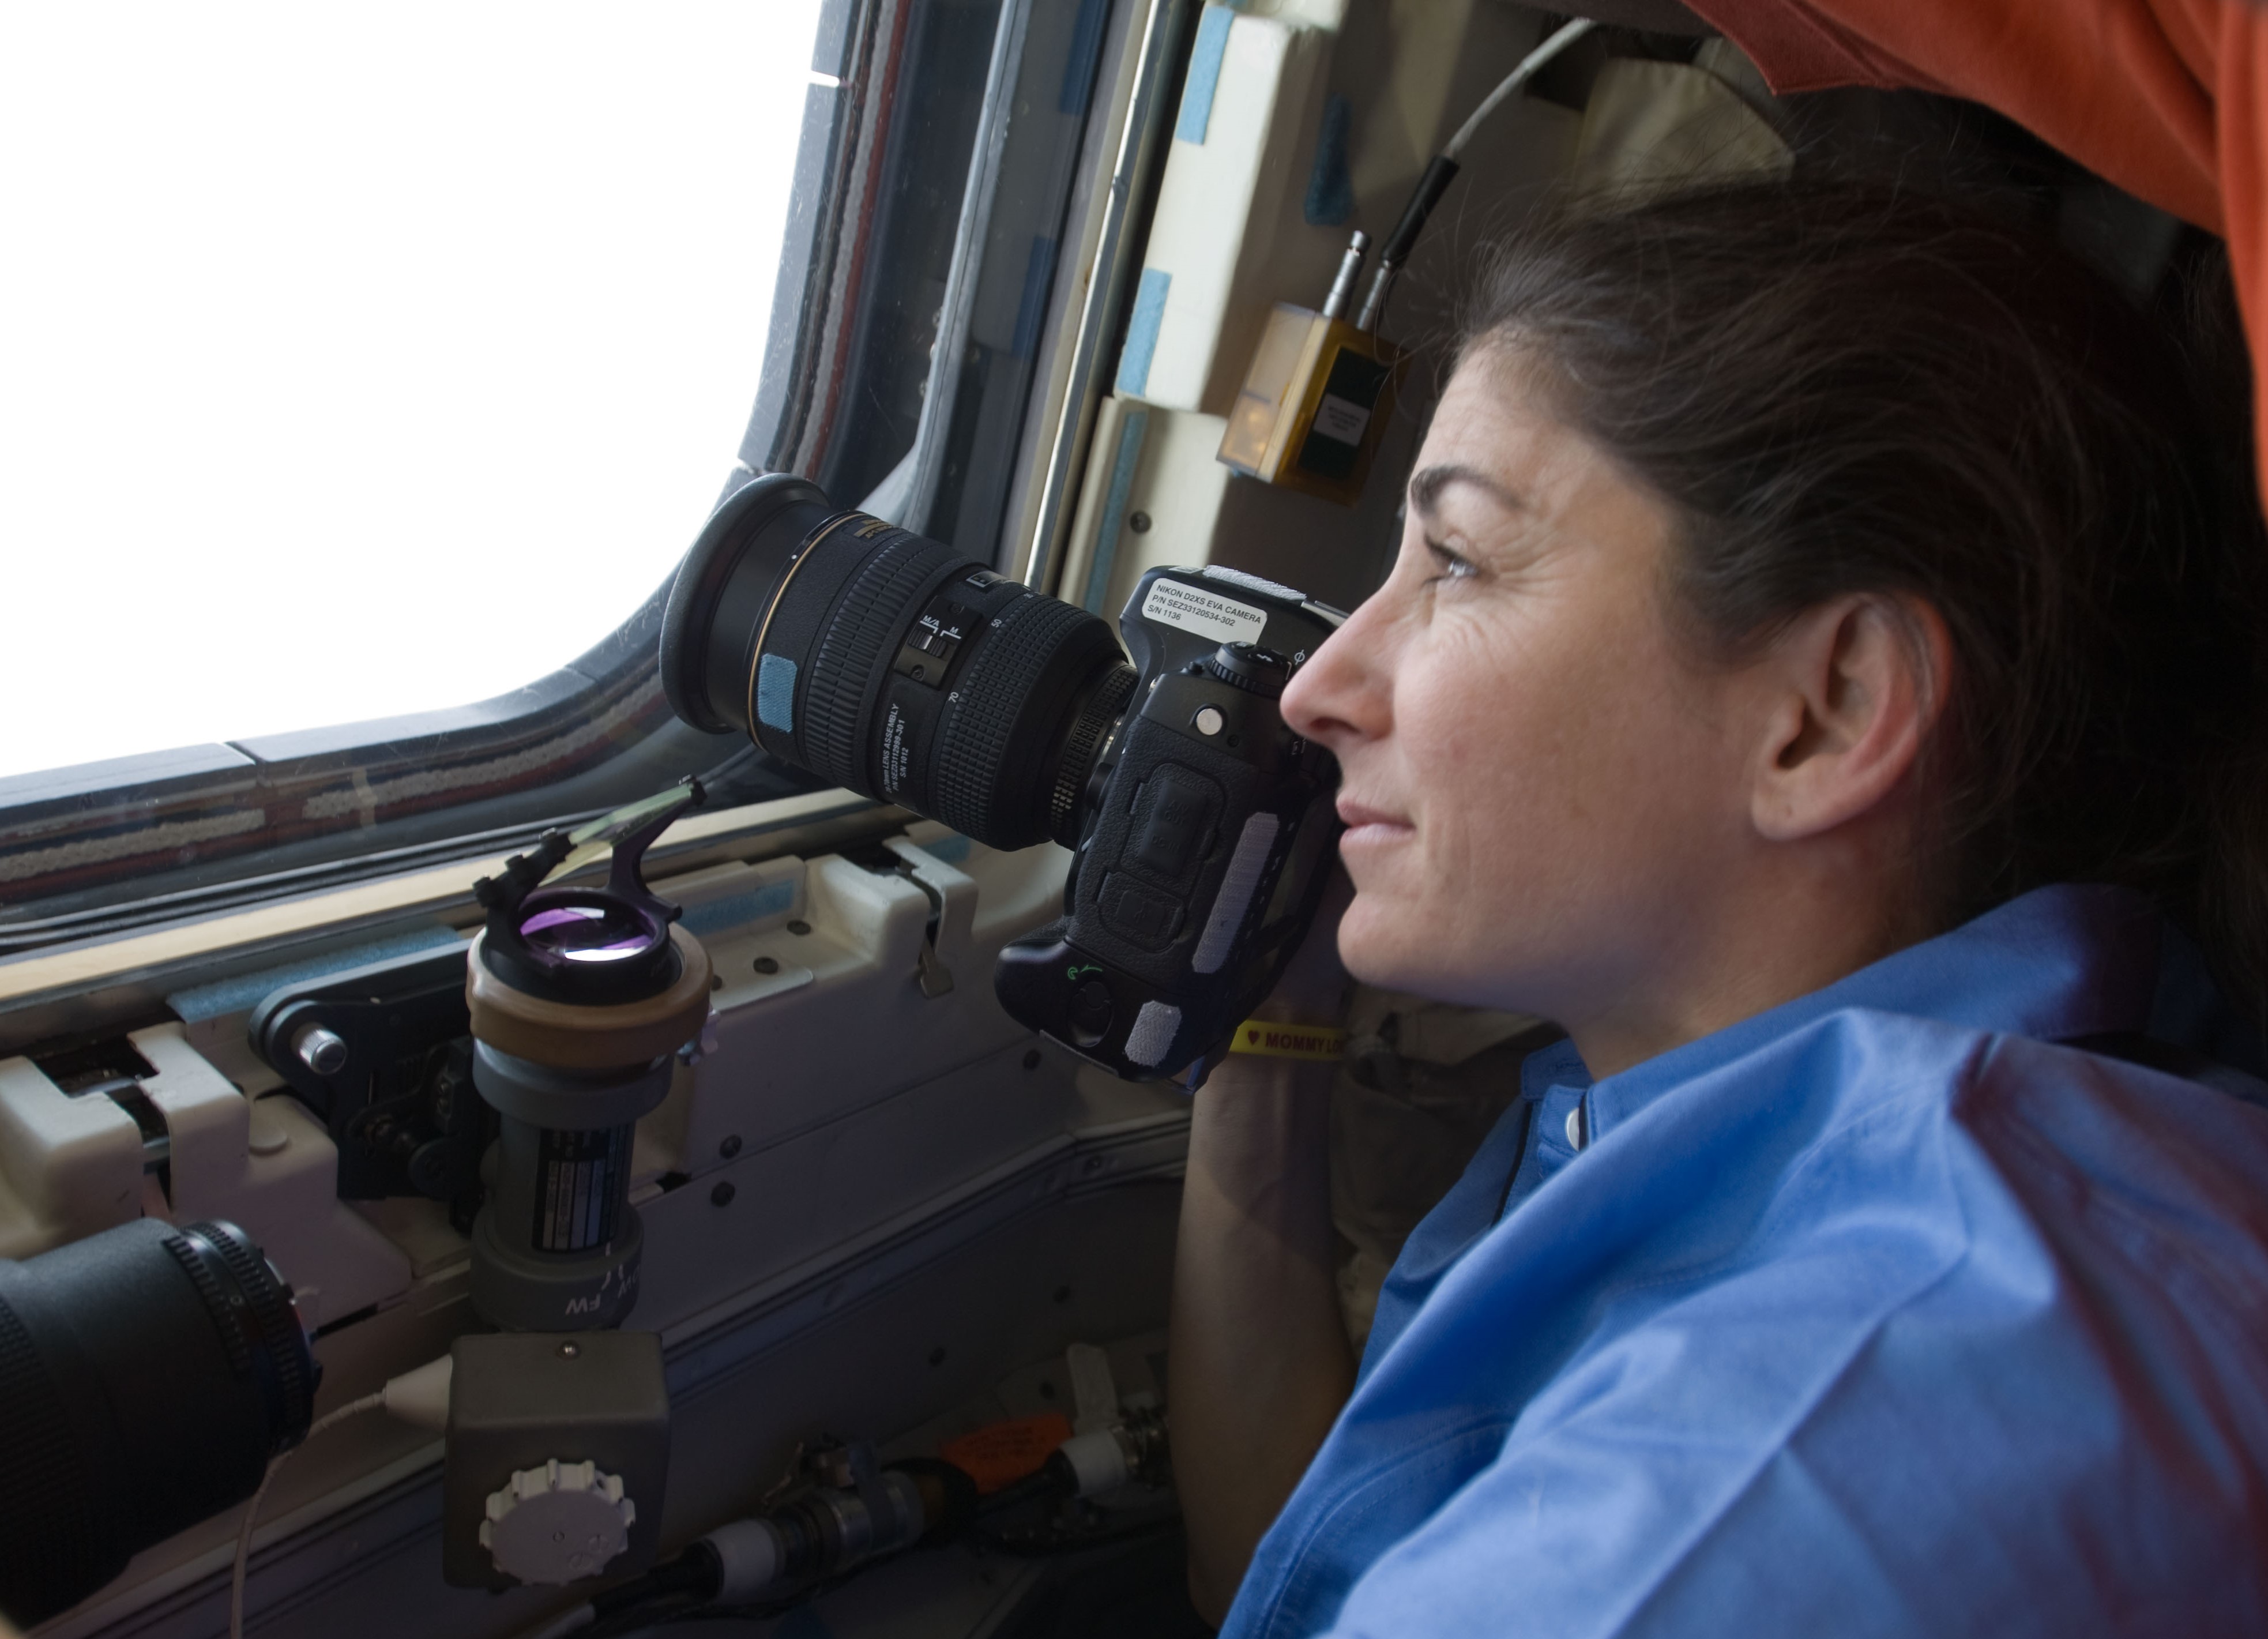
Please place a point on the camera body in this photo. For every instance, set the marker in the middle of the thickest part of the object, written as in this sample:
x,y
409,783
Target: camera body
x,y
896,665
1206,836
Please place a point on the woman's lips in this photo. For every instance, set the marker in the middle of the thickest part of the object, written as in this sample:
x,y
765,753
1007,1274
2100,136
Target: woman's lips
x,y
1366,825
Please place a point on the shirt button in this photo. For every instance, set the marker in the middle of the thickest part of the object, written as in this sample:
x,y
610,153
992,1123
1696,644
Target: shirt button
x,y
1575,1125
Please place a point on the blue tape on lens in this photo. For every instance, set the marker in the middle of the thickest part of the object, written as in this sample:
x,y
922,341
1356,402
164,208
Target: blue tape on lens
x,y
775,693
1142,331
1204,75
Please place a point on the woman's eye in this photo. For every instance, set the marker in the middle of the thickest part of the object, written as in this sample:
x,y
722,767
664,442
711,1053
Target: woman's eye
x,y
1449,563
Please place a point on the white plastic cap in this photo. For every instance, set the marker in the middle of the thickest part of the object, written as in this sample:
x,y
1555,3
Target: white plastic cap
x,y
1098,1462
557,1523
751,1554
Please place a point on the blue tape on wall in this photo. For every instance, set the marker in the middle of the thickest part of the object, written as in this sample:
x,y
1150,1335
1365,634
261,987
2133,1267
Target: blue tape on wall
x,y
1204,74
244,993
737,910
1330,184
948,850
1132,426
1031,305
1142,331
775,693
1084,57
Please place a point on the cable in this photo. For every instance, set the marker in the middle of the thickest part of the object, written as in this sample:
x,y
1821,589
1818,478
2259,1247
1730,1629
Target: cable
x,y
1558,41
367,1403
1443,171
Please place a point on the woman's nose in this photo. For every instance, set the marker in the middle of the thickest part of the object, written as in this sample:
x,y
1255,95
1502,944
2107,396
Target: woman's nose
x,y
1335,699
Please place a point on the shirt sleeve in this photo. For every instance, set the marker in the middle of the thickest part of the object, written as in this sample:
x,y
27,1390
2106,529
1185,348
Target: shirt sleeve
x,y
2161,97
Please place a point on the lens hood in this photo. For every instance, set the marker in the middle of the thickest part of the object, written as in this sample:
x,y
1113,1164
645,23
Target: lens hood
x,y
688,669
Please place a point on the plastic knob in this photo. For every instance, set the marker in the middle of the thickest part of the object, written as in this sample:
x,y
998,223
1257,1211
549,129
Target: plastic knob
x,y
557,1523
1249,667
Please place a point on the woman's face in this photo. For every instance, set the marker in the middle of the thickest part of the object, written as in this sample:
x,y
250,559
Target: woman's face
x,y
1542,789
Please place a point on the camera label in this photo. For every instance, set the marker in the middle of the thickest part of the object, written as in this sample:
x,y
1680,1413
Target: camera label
x,y
1208,614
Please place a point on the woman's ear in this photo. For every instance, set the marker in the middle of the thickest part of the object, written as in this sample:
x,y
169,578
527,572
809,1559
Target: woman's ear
x,y
1851,692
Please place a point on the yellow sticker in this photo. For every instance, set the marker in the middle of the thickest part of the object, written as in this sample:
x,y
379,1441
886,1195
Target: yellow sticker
x,y
1289,1041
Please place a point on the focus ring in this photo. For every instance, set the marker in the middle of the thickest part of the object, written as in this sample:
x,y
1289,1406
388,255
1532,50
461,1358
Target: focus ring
x,y
51,1552
979,736
281,1340
1095,718
210,1294
849,655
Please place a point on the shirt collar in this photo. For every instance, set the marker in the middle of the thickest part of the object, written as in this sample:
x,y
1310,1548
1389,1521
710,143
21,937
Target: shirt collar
x,y
2056,963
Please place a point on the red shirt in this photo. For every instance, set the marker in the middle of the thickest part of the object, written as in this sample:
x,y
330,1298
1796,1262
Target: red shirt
x,y
2160,96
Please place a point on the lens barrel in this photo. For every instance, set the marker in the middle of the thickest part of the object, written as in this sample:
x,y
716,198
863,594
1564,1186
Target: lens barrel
x,y
147,1376
891,664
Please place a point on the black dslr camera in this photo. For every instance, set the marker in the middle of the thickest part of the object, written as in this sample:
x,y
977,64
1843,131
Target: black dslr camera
x,y
1201,825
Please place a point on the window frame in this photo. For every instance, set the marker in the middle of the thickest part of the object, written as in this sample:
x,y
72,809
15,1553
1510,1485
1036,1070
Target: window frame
x,y
88,851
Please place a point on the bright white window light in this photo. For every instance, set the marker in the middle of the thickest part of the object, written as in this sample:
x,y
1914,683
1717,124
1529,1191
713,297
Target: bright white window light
x,y
357,361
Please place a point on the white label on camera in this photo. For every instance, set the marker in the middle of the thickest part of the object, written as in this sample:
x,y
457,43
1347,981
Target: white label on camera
x,y
1341,419
1208,614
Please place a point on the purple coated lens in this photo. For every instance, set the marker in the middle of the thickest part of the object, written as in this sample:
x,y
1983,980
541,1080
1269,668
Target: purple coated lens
x,y
587,933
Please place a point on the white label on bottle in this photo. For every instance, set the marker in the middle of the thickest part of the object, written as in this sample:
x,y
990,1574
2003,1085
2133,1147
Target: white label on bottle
x,y
1210,615
1340,418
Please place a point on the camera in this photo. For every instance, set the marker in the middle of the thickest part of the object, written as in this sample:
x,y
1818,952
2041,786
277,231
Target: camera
x,y
1201,825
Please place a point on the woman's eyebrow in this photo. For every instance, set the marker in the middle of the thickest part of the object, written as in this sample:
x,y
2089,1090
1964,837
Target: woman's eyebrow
x,y
1425,486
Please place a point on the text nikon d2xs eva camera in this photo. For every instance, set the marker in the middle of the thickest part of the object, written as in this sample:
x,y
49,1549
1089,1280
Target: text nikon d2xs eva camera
x,y
1201,825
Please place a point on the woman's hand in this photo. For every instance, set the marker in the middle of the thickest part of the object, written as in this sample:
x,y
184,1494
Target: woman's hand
x,y
1259,1360
1314,987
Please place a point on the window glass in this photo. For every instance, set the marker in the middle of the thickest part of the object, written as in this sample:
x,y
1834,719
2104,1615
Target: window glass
x,y
361,361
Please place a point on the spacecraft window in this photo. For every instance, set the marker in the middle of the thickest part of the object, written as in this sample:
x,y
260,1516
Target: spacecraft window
x,y
364,360
366,375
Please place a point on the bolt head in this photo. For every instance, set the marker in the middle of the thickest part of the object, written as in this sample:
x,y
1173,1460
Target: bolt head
x,y
321,1050
730,1146
722,1195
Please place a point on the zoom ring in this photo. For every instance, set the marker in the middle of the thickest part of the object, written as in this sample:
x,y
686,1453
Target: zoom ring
x,y
851,655
980,735
280,1339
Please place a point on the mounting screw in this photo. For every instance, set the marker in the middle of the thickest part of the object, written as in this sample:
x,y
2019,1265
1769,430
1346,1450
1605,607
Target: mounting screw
x,y
937,1356
798,926
322,1051
722,1195
1032,1059
716,982
766,964
730,1147
569,1351
1138,523
1062,1294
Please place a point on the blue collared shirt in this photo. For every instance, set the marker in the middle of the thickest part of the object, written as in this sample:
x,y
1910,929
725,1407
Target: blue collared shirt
x,y
1879,1313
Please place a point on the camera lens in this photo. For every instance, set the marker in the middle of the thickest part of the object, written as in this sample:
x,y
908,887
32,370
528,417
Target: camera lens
x,y
147,1376
892,664
587,933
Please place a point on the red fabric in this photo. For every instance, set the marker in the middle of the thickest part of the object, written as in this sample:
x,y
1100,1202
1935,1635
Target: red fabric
x,y
2160,96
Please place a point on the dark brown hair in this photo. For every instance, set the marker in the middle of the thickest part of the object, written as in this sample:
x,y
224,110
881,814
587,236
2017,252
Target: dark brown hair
x,y
1843,388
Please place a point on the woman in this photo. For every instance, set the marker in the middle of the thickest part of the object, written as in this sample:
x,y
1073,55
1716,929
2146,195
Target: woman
x,y
1822,670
